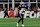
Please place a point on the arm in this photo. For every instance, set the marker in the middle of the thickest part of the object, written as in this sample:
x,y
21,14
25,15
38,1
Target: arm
x,y
19,6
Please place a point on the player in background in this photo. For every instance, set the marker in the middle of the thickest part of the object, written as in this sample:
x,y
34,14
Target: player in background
x,y
21,12
6,12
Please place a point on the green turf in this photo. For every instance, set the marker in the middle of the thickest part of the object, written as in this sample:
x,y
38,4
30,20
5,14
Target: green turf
x,y
28,22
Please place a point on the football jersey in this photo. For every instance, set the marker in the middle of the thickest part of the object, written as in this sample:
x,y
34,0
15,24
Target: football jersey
x,y
22,11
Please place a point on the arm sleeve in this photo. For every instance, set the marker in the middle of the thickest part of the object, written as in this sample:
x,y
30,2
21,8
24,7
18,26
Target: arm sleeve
x,y
19,6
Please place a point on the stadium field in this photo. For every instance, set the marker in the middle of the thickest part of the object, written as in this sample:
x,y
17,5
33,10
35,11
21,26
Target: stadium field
x,y
11,22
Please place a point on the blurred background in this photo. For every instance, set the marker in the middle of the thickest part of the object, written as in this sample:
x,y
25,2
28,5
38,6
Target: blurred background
x,y
15,3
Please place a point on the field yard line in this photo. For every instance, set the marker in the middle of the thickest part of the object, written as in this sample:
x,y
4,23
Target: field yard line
x,y
16,22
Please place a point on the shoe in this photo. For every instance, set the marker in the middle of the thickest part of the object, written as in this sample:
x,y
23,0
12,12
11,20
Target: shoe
x,y
22,25
17,24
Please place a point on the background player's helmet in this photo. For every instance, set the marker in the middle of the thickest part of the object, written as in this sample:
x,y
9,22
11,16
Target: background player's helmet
x,y
21,2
